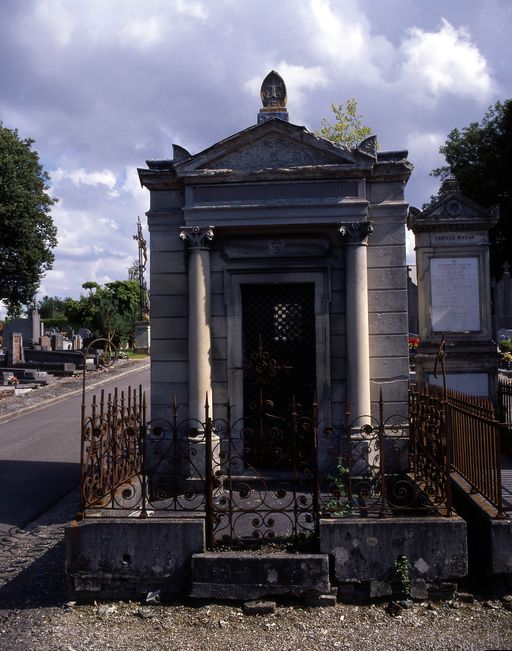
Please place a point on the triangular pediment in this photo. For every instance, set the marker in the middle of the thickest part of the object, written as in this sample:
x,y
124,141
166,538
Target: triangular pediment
x,y
272,145
455,206
452,210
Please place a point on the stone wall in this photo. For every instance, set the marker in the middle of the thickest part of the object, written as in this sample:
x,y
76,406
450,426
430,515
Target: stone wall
x,y
169,304
387,297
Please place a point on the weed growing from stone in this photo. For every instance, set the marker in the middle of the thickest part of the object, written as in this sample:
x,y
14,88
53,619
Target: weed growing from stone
x,y
401,570
339,505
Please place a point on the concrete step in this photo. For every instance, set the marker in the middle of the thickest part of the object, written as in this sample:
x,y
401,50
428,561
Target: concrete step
x,y
249,575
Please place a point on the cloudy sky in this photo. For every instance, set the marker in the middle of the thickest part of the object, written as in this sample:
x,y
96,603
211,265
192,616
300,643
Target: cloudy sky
x,y
103,85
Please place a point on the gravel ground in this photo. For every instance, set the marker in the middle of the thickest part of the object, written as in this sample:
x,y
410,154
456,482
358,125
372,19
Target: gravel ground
x,y
60,387
35,614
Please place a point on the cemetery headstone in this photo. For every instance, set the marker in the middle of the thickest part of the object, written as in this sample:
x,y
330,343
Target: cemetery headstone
x,y
37,326
84,333
142,337
57,341
15,349
45,342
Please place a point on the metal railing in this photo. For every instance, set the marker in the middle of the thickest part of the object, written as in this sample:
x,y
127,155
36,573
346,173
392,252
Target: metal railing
x,y
111,447
476,448
504,408
470,435
430,444
364,467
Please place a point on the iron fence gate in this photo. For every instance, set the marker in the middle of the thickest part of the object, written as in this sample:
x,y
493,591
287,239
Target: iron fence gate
x,y
364,467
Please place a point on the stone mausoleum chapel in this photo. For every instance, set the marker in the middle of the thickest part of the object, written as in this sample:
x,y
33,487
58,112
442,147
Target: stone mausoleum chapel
x,y
279,295
278,272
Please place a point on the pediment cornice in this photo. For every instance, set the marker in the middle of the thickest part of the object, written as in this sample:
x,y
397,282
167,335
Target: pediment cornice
x,y
273,147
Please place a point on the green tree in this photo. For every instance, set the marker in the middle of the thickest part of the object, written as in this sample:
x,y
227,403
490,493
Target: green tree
x,y
120,308
480,157
348,128
109,311
51,306
27,232
58,312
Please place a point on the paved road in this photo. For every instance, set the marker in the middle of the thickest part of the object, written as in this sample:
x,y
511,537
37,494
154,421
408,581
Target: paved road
x,y
40,455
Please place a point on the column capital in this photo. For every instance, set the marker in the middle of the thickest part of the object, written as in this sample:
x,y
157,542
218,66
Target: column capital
x,y
356,233
197,237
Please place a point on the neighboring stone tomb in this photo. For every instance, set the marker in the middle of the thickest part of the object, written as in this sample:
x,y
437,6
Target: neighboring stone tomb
x,y
14,347
30,328
280,236
452,258
502,295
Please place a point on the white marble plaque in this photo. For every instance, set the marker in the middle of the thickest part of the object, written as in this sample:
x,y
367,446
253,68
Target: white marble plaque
x,y
455,294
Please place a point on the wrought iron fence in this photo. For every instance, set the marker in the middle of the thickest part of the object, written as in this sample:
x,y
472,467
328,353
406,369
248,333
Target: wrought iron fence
x,y
469,443
504,410
258,478
430,445
476,447
112,447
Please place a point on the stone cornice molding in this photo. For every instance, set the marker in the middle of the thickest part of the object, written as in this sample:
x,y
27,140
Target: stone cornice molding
x,y
356,233
198,237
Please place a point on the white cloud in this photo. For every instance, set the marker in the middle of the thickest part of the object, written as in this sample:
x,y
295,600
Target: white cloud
x,y
342,37
192,8
82,177
56,19
424,147
134,193
445,62
142,33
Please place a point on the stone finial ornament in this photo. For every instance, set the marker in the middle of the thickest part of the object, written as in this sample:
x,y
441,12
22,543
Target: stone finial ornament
x,y
450,185
273,98
273,91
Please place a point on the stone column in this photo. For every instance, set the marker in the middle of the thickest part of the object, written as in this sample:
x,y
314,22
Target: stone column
x,y
356,318
199,335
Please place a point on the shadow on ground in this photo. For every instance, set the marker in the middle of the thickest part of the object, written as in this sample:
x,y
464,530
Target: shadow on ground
x,y
40,584
29,488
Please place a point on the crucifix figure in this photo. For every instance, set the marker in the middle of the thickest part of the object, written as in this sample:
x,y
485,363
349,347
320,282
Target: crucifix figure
x,y
142,262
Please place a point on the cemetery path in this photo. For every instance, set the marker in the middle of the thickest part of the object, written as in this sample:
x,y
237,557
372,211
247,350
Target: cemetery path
x,y
40,452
